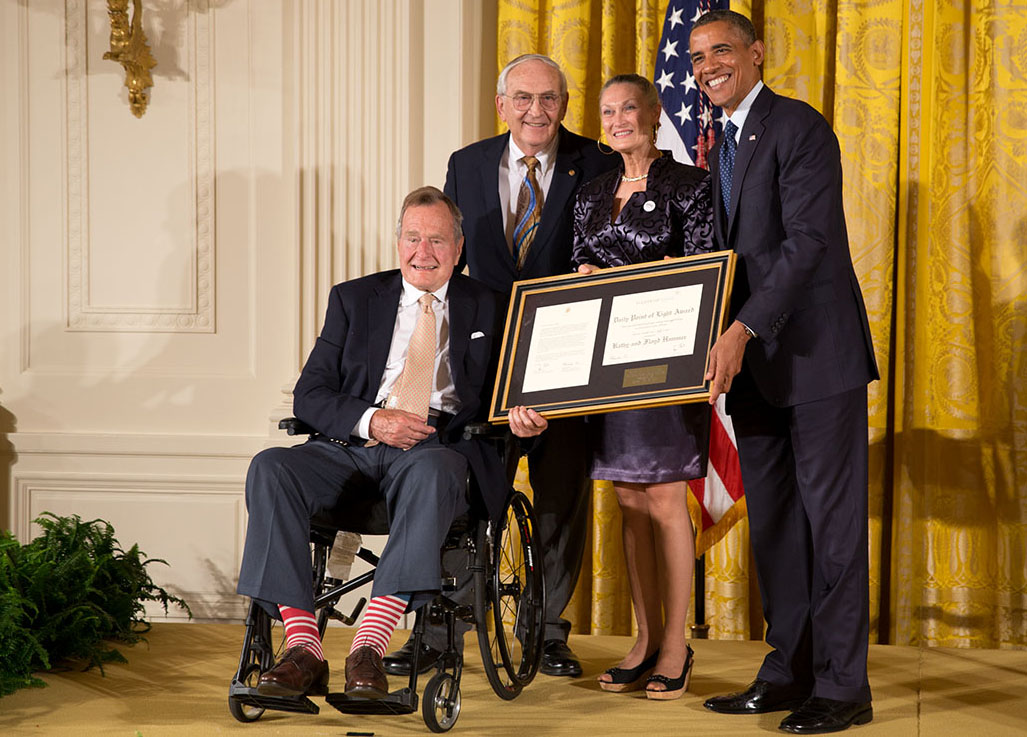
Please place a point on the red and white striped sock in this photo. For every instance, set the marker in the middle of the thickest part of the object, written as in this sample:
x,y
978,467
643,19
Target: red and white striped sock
x,y
301,630
379,622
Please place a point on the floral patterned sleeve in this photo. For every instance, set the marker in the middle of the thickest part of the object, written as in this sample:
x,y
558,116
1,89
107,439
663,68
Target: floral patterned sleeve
x,y
579,254
693,210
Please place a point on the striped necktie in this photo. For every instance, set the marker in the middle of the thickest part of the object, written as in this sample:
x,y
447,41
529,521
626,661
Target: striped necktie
x,y
529,210
727,164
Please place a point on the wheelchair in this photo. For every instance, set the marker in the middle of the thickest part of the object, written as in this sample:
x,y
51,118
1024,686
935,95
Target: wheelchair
x,y
507,610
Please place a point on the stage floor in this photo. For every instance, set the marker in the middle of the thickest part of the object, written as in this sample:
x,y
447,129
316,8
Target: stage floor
x,y
178,685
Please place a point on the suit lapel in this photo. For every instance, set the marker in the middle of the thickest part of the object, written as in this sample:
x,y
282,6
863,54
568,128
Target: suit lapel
x,y
566,173
751,135
489,171
461,311
382,307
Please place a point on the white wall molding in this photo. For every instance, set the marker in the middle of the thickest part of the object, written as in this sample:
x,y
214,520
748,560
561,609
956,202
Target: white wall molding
x,y
30,487
83,313
128,445
195,523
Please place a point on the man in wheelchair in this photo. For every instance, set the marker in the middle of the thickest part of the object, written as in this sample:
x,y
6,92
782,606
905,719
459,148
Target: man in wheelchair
x,y
404,361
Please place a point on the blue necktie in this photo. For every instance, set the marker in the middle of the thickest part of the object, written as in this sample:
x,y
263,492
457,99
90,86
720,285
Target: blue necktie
x,y
727,163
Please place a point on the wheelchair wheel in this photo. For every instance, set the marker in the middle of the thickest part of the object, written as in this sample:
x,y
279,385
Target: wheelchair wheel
x,y
440,703
509,598
246,712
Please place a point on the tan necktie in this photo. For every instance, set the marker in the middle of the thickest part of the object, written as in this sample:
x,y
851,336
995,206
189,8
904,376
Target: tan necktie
x,y
413,387
529,211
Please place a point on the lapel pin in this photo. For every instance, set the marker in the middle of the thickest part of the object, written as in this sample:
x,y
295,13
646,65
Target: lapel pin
x,y
571,172
752,137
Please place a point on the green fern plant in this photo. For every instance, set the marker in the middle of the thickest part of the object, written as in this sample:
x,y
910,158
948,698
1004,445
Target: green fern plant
x,y
68,592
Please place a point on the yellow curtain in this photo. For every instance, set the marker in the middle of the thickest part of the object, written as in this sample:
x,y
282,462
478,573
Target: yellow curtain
x,y
929,101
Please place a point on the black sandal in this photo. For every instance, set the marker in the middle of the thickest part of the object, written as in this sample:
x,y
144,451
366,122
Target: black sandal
x,y
627,679
672,687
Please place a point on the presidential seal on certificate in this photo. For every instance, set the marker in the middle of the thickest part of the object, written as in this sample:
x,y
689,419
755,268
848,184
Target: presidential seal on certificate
x,y
620,338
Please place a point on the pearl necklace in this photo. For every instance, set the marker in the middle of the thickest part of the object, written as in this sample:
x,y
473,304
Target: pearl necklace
x,y
625,178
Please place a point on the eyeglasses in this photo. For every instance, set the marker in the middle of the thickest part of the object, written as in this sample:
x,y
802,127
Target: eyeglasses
x,y
522,100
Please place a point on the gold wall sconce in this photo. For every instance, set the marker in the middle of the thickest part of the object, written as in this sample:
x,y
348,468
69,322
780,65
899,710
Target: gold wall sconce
x,y
129,48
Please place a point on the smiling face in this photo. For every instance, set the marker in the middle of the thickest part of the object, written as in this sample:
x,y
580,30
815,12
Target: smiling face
x,y
725,66
627,119
428,246
532,129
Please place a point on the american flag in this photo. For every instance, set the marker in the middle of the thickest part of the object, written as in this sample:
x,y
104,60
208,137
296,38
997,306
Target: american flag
x,y
689,125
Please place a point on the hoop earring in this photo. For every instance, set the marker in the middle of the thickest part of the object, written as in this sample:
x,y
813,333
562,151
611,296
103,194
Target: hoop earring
x,y
600,144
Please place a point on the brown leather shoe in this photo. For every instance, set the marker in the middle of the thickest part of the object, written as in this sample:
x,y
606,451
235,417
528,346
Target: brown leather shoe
x,y
298,673
365,674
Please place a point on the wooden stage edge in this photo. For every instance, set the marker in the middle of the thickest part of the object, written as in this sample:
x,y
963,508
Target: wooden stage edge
x,y
177,684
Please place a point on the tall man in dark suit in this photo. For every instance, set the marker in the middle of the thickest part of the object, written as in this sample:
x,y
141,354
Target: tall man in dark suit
x,y
540,165
403,362
796,358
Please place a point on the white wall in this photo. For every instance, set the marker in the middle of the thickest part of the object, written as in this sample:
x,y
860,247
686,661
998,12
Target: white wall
x,y
163,278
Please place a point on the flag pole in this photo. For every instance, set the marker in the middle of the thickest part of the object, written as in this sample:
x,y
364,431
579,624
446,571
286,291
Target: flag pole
x,y
700,630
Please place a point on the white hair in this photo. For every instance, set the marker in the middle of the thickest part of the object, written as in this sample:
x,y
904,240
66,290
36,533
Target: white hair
x,y
501,82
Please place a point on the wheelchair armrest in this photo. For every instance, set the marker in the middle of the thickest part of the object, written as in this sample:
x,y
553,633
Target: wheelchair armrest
x,y
295,426
485,430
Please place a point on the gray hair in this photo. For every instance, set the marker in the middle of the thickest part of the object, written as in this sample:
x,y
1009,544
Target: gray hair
x,y
737,21
501,82
642,84
426,196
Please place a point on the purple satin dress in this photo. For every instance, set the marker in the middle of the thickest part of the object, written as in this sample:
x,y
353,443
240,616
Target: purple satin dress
x,y
662,444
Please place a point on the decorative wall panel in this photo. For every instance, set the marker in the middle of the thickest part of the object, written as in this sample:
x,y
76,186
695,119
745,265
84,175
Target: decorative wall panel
x,y
195,524
118,206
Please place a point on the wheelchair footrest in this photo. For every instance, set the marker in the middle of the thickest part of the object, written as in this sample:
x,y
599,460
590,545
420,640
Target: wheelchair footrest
x,y
250,697
403,701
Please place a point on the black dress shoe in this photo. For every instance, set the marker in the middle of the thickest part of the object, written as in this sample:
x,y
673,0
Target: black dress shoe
x,y
761,697
558,660
820,716
398,663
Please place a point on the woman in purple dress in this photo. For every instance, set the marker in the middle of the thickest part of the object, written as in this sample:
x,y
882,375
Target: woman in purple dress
x,y
650,208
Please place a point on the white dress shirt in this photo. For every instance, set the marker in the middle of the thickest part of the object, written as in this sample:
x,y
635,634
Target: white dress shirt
x,y
742,111
512,172
443,394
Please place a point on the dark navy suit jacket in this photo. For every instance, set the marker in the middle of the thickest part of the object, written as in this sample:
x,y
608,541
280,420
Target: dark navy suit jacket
x,y
795,285
472,181
343,373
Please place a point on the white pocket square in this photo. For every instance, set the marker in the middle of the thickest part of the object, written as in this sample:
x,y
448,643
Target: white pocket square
x,y
477,334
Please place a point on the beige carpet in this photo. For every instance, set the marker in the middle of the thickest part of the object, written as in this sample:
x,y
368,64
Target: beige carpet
x,y
178,685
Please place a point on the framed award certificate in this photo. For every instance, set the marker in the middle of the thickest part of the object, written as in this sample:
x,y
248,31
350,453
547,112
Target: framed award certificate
x,y
620,338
